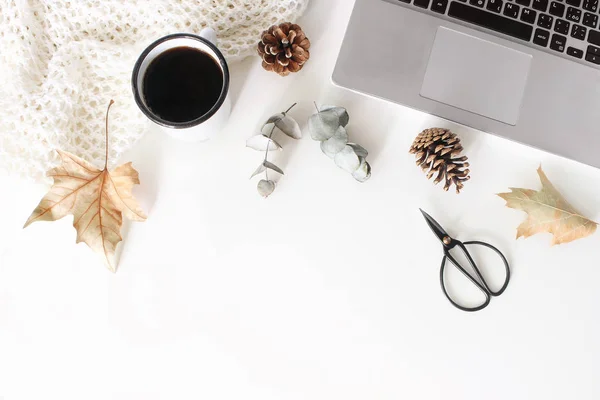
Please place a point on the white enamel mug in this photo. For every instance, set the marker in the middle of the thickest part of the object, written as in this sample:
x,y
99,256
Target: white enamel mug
x,y
205,126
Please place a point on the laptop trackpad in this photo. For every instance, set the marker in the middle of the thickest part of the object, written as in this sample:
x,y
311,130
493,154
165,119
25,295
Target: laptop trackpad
x,y
476,75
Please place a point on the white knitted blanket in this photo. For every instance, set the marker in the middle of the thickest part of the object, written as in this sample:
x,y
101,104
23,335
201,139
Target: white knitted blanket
x,y
61,61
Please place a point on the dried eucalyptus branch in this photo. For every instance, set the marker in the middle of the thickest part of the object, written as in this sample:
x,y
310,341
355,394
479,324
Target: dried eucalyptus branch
x,y
266,143
328,126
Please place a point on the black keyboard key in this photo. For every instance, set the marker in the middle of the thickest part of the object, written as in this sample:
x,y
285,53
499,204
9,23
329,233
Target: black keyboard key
x,y
439,6
528,15
478,3
525,3
540,5
511,10
557,9
545,21
592,58
405,1
558,42
590,20
590,5
593,54
492,21
573,14
594,37
541,37
572,51
421,3
594,50
494,5
562,26
576,3
578,32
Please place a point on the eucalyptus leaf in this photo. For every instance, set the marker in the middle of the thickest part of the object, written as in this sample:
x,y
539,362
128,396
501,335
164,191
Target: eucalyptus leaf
x,y
340,112
347,159
289,126
265,188
261,168
274,118
359,150
323,126
266,165
336,143
363,172
262,143
271,166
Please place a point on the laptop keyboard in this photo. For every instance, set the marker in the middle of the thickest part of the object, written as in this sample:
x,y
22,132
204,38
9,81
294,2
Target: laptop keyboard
x,y
566,27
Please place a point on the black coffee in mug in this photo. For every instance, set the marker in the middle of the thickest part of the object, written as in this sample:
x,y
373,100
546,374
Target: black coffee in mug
x,y
182,84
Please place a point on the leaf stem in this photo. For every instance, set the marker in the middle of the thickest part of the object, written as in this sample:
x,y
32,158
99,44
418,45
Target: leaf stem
x,y
271,133
269,142
315,103
267,151
107,110
288,110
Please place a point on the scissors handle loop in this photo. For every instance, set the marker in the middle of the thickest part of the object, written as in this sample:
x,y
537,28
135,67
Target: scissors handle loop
x,y
478,280
504,261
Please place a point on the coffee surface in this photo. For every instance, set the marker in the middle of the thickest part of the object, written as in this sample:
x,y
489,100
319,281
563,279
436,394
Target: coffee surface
x,y
182,84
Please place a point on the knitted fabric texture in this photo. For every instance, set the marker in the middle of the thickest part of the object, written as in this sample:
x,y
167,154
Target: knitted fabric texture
x,y
61,62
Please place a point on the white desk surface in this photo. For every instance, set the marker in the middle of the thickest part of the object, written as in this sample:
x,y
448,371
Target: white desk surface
x,y
327,290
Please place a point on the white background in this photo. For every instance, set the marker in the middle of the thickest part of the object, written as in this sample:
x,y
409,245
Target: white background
x,y
326,290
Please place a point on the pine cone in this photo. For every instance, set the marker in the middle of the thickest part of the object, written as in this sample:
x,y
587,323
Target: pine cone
x,y
435,150
284,48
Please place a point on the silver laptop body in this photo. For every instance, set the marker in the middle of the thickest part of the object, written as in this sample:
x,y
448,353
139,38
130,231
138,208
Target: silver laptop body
x,y
499,83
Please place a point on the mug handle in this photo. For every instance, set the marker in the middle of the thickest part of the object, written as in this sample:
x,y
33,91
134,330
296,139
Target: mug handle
x,y
209,34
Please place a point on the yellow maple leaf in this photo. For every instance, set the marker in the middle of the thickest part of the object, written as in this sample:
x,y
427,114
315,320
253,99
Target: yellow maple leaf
x,y
96,198
548,211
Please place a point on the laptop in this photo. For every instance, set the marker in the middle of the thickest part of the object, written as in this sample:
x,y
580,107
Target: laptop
x,y
526,70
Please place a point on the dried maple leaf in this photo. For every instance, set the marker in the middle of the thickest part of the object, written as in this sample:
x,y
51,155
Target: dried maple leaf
x,y
548,211
97,199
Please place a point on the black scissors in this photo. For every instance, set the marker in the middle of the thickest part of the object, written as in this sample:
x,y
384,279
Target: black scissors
x,y
449,243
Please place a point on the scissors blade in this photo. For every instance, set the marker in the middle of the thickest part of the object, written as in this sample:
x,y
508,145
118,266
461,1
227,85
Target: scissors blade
x,y
434,226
